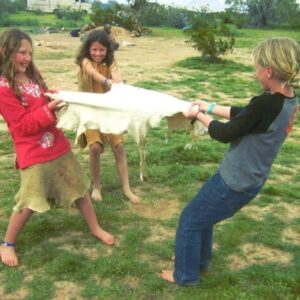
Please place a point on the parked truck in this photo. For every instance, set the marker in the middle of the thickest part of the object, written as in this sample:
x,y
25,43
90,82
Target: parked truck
x,y
54,5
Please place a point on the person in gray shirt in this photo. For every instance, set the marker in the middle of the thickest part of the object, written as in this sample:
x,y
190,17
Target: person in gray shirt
x,y
256,133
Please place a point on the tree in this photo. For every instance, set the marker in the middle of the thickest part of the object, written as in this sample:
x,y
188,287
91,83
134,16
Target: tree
x,y
11,6
287,11
261,13
138,4
105,13
210,37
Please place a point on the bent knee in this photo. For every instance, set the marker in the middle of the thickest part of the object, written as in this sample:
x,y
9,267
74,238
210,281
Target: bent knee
x,y
95,148
119,149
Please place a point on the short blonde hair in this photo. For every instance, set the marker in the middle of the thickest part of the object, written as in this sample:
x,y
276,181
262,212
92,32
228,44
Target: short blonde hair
x,y
283,56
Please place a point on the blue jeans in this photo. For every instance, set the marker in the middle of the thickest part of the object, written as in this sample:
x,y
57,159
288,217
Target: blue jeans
x,y
214,202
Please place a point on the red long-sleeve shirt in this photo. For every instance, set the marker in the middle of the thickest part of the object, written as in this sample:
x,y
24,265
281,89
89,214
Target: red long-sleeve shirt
x,y
32,125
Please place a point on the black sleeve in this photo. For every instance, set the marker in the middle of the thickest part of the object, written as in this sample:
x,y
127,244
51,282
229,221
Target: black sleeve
x,y
235,110
256,117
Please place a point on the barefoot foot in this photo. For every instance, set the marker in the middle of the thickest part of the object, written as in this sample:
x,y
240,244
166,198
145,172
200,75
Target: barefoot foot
x,y
167,275
105,237
131,196
8,256
203,271
96,194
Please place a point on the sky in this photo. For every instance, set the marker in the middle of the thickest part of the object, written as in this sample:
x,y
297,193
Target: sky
x,y
213,5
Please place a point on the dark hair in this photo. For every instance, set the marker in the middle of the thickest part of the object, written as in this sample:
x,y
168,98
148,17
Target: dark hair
x,y
10,42
96,36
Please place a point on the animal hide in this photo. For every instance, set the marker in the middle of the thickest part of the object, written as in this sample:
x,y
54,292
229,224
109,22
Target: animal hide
x,y
124,108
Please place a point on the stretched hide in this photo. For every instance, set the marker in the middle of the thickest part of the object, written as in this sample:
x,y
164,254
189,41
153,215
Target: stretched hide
x,y
124,108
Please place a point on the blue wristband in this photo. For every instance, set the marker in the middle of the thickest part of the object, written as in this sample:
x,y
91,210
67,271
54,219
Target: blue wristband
x,y
211,107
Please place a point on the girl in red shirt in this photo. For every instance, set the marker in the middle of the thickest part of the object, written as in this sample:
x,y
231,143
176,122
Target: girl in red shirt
x,y
49,171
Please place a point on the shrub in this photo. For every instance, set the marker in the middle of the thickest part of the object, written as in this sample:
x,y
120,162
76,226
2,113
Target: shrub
x,y
209,36
68,13
106,14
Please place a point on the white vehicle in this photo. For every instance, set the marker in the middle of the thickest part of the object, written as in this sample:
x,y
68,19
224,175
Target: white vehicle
x,y
53,5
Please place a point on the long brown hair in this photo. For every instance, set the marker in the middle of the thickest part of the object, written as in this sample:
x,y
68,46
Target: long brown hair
x,y
10,42
96,36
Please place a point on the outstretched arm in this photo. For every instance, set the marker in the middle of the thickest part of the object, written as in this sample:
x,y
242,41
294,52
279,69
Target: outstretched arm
x,y
22,120
89,69
196,113
214,109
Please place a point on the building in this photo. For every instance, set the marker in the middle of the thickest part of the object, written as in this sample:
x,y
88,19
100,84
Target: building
x,y
54,5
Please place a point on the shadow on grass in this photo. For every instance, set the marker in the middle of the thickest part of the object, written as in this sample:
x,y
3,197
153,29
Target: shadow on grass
x,y
198,63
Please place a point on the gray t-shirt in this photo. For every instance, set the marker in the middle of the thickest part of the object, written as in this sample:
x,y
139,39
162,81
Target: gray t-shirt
x,y
256,133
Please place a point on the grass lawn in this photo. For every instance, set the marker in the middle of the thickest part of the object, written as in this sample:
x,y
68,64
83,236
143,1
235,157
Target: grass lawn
x,y
33,21
256,253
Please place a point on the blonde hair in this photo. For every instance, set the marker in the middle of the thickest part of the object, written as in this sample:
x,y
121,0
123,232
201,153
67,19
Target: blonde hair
x,y
283,56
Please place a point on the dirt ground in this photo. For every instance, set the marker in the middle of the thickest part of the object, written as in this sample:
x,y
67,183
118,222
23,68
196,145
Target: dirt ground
x,y
138,58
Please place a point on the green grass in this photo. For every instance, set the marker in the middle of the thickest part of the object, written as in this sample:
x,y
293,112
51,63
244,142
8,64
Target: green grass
x,y
60,259
34,22
54,55
248,38
166,32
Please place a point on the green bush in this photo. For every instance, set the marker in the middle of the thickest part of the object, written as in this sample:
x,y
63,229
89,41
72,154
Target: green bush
x,y
68,13
106,15
210,37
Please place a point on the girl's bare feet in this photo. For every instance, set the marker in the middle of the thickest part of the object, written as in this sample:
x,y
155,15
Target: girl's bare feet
x,y
167,275
105,237
96,194
8,256
131,196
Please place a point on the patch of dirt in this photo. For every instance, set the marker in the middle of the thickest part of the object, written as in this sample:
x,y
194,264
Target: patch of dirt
x,y
105,282
158,263
19,294
284,211
120,32
291,236
240,55
162,209
6,157
257,213
281,178
91,252
1,286
65,290
258,254
216,246
3,216
148,58
132,282
3,126
145,61
160,233
289,212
